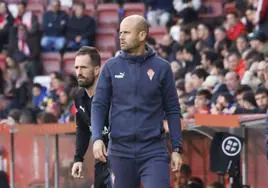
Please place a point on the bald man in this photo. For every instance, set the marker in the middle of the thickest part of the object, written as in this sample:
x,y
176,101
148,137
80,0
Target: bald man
x,y
137,89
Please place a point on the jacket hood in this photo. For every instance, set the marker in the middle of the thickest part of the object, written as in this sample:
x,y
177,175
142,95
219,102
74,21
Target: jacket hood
x,y
137,59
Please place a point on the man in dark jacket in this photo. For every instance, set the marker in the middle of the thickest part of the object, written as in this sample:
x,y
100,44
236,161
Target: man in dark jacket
x,y
80,28
137,90
87,67
54,27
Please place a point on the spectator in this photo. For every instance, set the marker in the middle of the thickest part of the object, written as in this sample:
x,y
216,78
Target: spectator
x,y
213,84
261,71
6,21
54,26
241,89
187,10
233,26
191,57
249,105
56,86
45,117
207,59
262,15
165,48
202,101
158,12
204,35
81,29
32,27
232,81
261,97
257,41
236,64
38,95
66,105
184,38
249,19
220,36
198,77
224,104
17,84
27,117
241,44
15,115
215,185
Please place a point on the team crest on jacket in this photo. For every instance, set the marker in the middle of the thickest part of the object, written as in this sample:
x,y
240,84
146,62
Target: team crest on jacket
x,y
150,73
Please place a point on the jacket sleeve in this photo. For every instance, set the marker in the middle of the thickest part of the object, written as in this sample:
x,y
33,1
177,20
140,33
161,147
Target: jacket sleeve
x,y
83,135
101,103
172,108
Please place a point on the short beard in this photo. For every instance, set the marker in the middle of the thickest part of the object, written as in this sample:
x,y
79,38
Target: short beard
x,y
86,84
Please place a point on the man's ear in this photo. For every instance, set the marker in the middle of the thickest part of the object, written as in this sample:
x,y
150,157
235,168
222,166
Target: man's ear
x,y
97,71
143,35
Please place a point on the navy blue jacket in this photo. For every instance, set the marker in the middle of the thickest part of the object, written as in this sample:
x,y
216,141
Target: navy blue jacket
x,y
54,24
139,91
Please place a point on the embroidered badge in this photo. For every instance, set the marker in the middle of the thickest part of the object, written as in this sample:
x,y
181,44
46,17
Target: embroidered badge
x,y
150,73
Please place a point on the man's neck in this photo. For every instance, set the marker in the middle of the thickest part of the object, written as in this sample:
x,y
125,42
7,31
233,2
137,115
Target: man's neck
x,y
91,90
139,51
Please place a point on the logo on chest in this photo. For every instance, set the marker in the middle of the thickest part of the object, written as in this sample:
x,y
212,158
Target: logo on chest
x,y
120,75
150,73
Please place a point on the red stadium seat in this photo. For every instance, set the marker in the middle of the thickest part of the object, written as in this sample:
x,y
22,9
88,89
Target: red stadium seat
x,y
158,32
51,62
68,62
134,8
105,56
37,9
106,40
108,14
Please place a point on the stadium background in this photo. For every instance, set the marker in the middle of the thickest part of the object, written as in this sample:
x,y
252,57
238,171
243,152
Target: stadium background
x,y
203,41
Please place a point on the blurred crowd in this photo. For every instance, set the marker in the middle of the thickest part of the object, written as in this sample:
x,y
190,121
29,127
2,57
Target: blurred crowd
x,y
220,65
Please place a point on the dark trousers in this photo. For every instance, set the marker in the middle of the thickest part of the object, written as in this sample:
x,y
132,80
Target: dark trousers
x,y
151,171
102,175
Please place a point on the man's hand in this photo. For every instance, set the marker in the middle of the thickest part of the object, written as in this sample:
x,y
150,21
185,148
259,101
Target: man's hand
x,y
176,161
99,151
77,170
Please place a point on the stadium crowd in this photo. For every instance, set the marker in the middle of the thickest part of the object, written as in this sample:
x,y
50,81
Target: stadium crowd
x,y
220,65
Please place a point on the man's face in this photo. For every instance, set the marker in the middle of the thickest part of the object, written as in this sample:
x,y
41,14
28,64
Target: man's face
x,y
262,100
219,35
85,71
254,44
231,19
197,82
239,99
200,102
241,44
231,81
56,5
233,61
129,36
261,70
78,10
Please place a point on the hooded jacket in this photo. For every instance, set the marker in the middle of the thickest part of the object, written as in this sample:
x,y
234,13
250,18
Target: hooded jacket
x,y
137,92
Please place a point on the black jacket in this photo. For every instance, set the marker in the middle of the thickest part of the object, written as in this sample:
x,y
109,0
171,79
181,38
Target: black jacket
x,y
84,27
83,129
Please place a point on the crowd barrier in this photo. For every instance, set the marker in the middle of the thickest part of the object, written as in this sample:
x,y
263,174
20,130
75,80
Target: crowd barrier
x,y
197,134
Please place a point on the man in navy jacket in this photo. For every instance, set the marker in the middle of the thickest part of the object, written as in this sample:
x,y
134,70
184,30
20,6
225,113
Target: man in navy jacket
x,y
137,90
